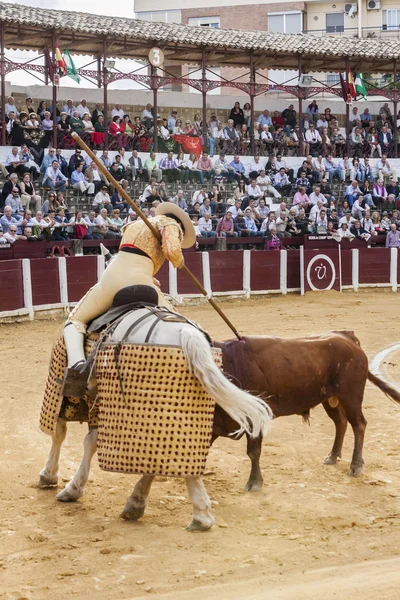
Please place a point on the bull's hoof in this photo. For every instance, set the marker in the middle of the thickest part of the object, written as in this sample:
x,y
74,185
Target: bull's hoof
x,y
253,486
196,525
356,471
69,494
331,459
45,481
133,513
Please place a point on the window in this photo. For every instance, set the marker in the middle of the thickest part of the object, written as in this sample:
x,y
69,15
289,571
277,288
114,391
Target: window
x,y
290,22
334,22
391,19
332,78
161,16
205,22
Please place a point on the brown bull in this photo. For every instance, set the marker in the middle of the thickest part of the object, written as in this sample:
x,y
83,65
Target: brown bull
x,y
293,376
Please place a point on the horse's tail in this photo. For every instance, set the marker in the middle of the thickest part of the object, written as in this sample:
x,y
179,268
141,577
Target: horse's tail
x,y
251,413
390,391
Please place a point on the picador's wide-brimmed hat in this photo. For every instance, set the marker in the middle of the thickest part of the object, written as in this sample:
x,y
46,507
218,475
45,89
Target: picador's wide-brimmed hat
x,y
189,234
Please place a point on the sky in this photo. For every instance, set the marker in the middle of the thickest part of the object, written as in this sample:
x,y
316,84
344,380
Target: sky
x,y
100,7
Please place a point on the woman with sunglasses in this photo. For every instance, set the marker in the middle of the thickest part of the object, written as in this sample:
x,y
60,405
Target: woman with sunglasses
x,y
29,197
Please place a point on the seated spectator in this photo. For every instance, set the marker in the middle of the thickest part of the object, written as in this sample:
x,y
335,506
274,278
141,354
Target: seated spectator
x,y
170,168
385,140
80,226
302,222
14,164
207,208
332,169
237,115
151,168
254,191
148,116
289,118
265,184
95,177
92,226
231,138
322,122
385,222
200,195
265,119
338,142
115,219
282,184
379,192
389,204
226,226
79,182
281,163
279,140
205,167
273,241
60,226
344,232
118,172
302,198
205,226
14,201
239,169
267,139
11,235
7,219
53,177
180,201
117,132
393,237
104,227
236,209
385,171
367,223
282,222
102,200
226,168
358,142
268,223
313,138
292,141
118,203
312,109
352,192
359,232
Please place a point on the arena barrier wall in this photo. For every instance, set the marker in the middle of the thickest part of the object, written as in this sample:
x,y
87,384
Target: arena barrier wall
x,y
38,284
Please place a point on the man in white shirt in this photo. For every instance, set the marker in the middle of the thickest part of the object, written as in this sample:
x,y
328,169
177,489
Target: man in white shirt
x,y
281,182
357,210
236,209
135,165
385,171
313,138
102,200
200,195
83,108
253,191
147,116
54,178
316,209
69,108
10,107
256,166
316,196
347,218
117,111
346,166
332,169
367,224
265,184
280,163
322,122
205,225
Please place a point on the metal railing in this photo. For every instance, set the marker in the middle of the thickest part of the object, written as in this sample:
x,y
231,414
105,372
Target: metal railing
x,y
385,32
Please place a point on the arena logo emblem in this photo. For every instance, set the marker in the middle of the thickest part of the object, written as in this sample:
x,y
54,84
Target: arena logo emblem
x,y
320,272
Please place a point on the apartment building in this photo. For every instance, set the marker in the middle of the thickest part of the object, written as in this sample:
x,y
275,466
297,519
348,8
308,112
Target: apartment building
x,y
362,18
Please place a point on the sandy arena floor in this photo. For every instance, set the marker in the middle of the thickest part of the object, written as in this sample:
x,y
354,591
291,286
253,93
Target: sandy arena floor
x,y
311,533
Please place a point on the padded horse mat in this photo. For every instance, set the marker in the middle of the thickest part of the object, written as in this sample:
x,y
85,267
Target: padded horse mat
x,y
54,405
154,415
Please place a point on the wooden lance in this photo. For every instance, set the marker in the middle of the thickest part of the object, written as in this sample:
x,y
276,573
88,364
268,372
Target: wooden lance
x,y
149,224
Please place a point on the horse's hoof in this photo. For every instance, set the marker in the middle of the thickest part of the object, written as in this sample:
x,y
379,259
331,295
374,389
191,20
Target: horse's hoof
x,y
330,460
68,495
253,486
133,513
46,482
356,471
196,525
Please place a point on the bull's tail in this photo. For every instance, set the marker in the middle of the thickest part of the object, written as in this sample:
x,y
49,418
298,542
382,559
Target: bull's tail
x,y
251,413
390,391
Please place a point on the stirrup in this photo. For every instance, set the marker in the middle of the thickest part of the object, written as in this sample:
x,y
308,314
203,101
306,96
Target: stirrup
x,y
75,380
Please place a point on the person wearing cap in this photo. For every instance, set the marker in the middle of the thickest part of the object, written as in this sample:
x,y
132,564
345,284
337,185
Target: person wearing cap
x,y
140,257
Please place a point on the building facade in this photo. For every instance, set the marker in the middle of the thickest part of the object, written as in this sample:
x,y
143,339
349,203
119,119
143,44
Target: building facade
x,y
361,18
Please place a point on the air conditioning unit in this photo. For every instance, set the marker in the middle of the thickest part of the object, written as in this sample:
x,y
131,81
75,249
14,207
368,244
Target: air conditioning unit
x,y
373,4
305,81
350,10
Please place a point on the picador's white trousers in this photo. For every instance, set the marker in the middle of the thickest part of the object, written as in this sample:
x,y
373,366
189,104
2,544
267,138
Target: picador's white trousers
x,y
124,269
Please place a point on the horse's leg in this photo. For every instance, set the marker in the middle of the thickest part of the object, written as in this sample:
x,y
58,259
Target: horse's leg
x,y
74,489
48,476
136,503
255,481
338,416
202,519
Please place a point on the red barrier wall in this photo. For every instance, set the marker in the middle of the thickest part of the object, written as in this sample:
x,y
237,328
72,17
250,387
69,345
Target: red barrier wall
x,y
163,277
374,265
11,285
81,276
194,262
45,281
226,271
265,271
293,269
347,269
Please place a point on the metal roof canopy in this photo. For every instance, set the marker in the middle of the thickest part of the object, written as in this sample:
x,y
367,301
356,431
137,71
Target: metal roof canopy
x,y
29,28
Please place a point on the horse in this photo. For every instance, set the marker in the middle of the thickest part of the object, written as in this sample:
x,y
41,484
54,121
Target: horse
x,y
250,413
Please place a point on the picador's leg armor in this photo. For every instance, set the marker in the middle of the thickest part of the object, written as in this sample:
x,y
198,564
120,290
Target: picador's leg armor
x,y
76,373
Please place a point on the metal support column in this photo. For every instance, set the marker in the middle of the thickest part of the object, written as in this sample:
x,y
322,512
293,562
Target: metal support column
x,y
395,104
105,95
99,72
54,96
252,96
204,92
155,105
3,86
347,126
300,98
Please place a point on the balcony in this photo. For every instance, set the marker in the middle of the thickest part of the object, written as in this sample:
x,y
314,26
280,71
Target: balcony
x,y
384,32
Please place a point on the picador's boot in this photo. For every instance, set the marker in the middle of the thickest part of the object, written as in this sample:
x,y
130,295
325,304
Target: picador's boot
x,y
76,374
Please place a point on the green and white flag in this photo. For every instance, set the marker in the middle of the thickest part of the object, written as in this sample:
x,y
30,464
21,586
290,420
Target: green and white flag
x,y
359,86
70,67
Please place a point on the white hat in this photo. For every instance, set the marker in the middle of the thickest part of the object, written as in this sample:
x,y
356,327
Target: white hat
x,y
189,233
